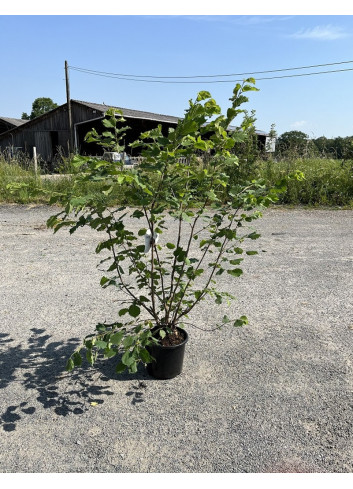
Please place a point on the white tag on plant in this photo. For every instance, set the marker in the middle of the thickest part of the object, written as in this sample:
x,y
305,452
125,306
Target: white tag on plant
x,y
149,241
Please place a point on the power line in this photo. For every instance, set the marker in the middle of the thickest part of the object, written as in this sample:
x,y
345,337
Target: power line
x,y
148,78
90,72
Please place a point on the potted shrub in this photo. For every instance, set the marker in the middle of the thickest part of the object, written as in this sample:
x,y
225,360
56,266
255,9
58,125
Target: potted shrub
x,y
183,177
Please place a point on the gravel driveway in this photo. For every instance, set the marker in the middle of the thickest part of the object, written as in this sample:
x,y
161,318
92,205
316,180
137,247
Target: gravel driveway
x,y
273,396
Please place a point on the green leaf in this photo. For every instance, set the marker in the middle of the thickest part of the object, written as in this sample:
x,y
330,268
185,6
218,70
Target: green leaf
x,y
70,365
122,312
253,235
109,353
128,359
197,294
238,251
101,327
117,337
170,246
145,356
241,321
77,359
104,280
120,368
90,357
236,272
200,144
252,253
128,341
231,113
137,214
101,344
133,367
203,95
108,123
134,310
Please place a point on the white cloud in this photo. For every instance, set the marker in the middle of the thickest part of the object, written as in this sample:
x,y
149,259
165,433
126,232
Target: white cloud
x,y
246,20
321,33
298,124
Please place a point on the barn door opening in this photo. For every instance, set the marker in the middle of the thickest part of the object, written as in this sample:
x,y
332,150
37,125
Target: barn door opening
x,y
54,138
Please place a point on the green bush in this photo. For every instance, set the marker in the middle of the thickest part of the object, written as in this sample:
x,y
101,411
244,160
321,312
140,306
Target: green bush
x,y
13,172
38,189
327,182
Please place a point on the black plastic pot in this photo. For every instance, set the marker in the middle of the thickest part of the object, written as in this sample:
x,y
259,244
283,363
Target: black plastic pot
x,y
168,361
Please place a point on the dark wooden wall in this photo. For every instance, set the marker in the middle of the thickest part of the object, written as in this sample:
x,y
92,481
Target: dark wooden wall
x,y
137,126
48,133
5,126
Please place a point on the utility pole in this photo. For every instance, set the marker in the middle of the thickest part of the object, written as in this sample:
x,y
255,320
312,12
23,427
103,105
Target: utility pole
x,y
71,139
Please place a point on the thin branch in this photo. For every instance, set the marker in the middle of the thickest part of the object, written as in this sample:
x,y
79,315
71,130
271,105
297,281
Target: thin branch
x,y
202,295
203,329
125,287
161,276
186,256
171,293
133,261
152,289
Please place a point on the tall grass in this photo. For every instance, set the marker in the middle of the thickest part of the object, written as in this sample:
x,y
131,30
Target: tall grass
x,y
328,182
47,185
14,173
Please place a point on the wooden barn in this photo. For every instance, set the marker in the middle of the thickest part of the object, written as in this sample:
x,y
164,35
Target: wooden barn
x,y
50,133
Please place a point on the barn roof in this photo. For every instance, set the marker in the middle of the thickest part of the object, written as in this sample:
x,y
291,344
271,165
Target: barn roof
x,y
12,121
102,108
140,114
135,114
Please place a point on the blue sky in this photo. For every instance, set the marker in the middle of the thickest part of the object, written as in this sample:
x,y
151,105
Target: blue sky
x,y
35,47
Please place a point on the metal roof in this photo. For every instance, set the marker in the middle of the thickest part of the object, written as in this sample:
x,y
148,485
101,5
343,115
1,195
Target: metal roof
x,y
135,114
102,108
140,114
14,122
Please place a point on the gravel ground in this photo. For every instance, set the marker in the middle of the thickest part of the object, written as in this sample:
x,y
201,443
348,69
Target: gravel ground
x,y
273,396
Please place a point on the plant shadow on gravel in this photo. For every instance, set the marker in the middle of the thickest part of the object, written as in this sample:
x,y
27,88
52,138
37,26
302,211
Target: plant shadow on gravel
x,y
138,379
40,367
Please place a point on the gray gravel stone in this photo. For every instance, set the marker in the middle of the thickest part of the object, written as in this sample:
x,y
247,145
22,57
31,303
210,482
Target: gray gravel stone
x,y
273,396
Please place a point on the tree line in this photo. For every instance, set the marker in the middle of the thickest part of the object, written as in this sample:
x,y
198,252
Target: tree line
x,y
298,144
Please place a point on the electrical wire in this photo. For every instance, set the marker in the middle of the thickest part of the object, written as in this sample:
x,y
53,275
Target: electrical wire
x,y
116,76
207,76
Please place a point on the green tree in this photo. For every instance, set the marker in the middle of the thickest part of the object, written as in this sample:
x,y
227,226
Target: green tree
x,y
40,106
337,148
324,146
294,143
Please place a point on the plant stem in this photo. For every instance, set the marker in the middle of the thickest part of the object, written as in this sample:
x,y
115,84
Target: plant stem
x,y
125,287
203,293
